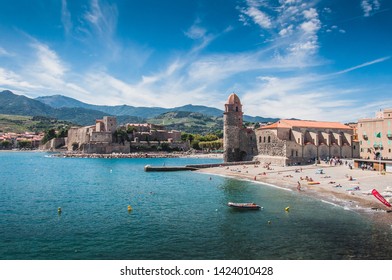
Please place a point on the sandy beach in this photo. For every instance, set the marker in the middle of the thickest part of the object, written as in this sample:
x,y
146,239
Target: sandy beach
x,y
334,185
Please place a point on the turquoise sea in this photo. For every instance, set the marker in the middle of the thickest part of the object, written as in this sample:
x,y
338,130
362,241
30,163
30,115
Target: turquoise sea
x,y
176,215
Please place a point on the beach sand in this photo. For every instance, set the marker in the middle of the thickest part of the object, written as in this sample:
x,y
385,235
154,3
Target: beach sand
x,y
346,196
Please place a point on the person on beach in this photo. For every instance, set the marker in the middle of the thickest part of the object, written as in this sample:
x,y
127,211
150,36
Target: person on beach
x,y
298,186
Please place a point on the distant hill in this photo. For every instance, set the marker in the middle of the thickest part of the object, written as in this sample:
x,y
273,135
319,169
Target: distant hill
x,y
21,124
190,122
188,118
59,101
13,104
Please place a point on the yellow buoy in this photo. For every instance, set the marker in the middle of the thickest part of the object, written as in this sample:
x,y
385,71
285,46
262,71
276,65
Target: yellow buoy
x,y
129,208
59,210
287,209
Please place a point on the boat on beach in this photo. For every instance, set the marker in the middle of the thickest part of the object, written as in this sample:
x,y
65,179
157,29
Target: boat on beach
x,y
250,206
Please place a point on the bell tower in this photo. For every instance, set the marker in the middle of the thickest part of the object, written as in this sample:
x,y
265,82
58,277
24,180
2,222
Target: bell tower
x,y
232,127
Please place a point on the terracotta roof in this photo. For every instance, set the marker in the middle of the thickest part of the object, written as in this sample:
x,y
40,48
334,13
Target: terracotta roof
x,y
233,99
301,123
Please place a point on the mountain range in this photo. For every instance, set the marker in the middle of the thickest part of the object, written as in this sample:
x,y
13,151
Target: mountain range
x,y
77,112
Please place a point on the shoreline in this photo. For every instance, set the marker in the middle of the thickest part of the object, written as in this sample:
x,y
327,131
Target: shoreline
x,y
347,196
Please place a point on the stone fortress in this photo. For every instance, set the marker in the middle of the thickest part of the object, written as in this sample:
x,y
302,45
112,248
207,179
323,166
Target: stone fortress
x,y
285,142
96,138
99,138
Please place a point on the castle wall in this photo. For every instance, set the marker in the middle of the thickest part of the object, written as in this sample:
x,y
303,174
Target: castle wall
x,y
101,137
79,135
104,148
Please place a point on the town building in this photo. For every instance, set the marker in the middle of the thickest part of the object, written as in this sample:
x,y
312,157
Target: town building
x,y
285,142
152,132
375,136
27,140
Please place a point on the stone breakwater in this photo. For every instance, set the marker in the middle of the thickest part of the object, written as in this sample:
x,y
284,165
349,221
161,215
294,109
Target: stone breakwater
x,y
131,155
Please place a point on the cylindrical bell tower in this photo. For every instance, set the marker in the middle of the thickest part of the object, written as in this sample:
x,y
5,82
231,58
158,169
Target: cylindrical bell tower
x,y
232,126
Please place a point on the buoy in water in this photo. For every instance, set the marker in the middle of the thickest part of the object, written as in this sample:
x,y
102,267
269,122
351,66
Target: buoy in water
x,y
287,209
129,208
59,210
269,222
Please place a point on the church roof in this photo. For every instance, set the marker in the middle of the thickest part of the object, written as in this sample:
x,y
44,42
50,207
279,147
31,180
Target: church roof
x,y
233,99
309,124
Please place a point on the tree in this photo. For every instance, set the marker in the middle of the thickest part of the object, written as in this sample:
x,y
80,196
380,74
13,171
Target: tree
x,y
120,136
49,135
131,129
63,132
5,144
24,144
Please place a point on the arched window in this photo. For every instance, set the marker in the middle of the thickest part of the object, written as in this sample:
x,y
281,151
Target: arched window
x,y
259,139
269,139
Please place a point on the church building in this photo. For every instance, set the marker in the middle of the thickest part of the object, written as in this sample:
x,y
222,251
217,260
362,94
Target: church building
x,y
285,142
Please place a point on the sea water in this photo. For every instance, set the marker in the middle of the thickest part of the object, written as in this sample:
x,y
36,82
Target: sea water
x,y
175,215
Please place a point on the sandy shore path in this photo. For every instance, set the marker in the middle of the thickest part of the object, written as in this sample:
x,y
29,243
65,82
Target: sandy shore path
x,y
355,193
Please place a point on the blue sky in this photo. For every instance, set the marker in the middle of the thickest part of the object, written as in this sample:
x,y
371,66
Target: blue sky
x,y
322,60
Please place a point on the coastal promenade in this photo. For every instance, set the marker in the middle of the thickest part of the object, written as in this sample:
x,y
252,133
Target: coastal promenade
x,y
334,185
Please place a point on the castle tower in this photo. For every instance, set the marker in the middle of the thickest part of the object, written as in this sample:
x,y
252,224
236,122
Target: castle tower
x,y
232,127
110,124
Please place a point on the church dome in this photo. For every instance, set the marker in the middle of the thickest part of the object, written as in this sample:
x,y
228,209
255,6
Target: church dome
x,y
233,99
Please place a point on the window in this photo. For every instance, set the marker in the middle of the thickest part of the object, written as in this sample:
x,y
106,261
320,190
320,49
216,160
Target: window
x,y
259,139
389,150
296,153
264,139
361,150
236,108
292,153
269,139
299,141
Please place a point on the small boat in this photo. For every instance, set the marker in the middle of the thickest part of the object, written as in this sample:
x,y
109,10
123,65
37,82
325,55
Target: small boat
x,y
251,206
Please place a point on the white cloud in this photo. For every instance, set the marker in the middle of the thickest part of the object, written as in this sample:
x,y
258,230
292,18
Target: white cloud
x,y
310,14
10,79
287,31
259,17
196,32
369,7
48,61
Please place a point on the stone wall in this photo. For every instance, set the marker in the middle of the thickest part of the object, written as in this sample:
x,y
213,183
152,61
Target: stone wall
x,y
101,137
104,148
54,144
270,144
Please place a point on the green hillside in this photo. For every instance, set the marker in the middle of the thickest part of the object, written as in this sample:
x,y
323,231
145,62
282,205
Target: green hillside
x,y
21,124
189,122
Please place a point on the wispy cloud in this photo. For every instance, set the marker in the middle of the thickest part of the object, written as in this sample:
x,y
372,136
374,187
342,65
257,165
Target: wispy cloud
x,y
102,17
4,52
66,17
363,65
